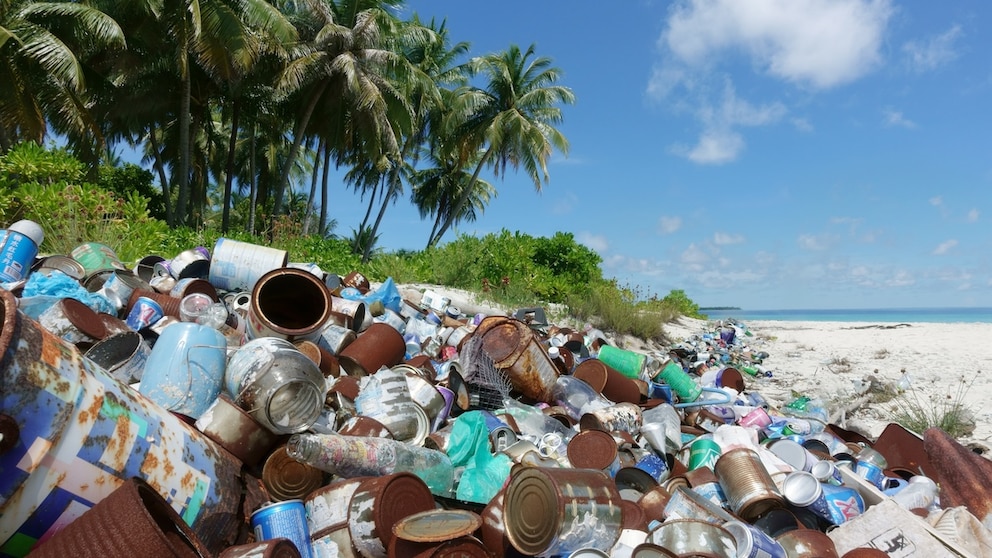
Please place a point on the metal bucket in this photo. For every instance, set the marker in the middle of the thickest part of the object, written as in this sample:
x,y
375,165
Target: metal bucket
x,y
134,520
277,384
185,370
238,265
552,511
513,347
79,433
122,355
380,345
378,504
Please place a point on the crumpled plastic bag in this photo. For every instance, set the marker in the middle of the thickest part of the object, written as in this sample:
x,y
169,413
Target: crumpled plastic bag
x,y
468,447
387,293
42,291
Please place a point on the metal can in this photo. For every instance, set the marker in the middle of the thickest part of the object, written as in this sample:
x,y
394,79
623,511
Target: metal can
x,y
287,520
753,542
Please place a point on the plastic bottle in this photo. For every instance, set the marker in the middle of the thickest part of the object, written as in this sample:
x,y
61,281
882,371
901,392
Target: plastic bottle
x,y
577,397
360,456
921,492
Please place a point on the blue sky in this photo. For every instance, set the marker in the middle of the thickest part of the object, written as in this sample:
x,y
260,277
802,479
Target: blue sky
x,y
767,154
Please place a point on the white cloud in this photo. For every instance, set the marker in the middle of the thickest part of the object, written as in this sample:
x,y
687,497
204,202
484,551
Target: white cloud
x,y
694,258
720,142
900,279
936,201
973,216
668,224
802,124
814,242
896,118
597,242
715,147
944,247
721,238
820,43
934,52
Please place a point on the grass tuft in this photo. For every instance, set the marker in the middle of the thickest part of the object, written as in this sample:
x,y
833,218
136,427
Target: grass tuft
x,y
947,412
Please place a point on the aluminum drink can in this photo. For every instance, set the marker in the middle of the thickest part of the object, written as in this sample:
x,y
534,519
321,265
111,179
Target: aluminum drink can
x,y
286,519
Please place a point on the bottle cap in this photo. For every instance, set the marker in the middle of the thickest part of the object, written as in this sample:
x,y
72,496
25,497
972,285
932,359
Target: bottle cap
x,y
29,229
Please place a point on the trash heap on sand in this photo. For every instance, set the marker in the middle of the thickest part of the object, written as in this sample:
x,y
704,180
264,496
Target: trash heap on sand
x,y
228,402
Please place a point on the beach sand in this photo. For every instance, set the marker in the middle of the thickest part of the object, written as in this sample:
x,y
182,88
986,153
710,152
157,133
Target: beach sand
x,y
867,372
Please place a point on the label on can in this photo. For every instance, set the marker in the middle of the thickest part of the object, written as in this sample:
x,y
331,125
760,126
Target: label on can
x,y
17,252
287,519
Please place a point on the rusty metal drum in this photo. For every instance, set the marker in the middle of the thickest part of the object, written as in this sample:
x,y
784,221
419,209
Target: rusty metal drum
x,y
84,433
513,347
554,511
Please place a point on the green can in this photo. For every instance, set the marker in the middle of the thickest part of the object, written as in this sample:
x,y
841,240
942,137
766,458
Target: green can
x,y
96,257
628,363
703,452
681,383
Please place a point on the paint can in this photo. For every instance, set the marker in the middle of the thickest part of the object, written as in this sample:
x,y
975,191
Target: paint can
x,y
123,355
236,265
354,313
286,519
594,449
749,488
19,246
555,511
81,433
514,348
277,384
236,431
378,346
274,548
607,380
185,370
379,503
133,520
96,257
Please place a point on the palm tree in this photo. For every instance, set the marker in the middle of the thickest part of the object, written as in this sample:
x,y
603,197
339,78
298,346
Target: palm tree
x,y
439,187
511,122
42,78
342,75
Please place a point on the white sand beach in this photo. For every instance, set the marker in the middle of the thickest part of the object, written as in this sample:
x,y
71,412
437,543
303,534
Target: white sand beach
x,y
858,368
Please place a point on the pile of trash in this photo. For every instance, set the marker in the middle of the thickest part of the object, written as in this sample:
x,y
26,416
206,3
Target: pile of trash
x,y
228,402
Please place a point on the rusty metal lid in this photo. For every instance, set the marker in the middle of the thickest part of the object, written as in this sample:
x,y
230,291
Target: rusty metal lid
x,y
396,496
592,372
437,525
592,449
113,324
502,341
287,479
633,516
83,318
462,547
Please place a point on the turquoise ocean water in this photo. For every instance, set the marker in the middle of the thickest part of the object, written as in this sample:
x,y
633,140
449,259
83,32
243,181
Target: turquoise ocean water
x,y
880,315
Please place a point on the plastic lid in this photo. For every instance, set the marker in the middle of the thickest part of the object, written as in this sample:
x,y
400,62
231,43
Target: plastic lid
x,y
29,229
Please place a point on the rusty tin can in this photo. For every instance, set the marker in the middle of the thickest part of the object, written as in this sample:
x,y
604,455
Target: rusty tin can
x,y
380,345
378,504
749,488
552,511
288,303
514,348
236,265
285,478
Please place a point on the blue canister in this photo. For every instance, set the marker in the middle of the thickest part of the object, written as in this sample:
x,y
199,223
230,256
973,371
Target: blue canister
x,y
753,542
185,370
871,473
18,248
286,519
144,313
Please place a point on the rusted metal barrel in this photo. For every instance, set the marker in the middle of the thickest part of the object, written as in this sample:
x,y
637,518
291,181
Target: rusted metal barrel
x,y
290,304
80,433
513,347
552,511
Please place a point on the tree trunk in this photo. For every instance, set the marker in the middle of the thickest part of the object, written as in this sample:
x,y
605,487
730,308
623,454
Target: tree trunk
x,y
308,217
301,127
182,173
225,221
252,181
323,193
166,190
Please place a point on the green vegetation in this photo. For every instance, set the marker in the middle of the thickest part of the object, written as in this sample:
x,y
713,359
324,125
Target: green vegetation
x,y
947,412
510,269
